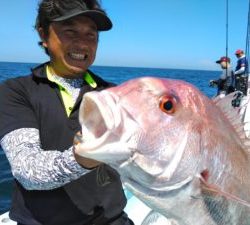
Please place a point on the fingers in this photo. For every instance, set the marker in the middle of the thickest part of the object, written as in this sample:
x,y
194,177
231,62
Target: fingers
x,y
84,162
77,138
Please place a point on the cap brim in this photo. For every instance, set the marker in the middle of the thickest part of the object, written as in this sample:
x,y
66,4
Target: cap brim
x,y
103,23
218,61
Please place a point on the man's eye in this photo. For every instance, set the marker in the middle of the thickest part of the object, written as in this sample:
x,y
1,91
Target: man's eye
x,y
69,32
92,35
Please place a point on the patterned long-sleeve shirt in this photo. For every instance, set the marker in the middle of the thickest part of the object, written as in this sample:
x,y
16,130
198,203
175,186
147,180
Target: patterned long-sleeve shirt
x,y
35,168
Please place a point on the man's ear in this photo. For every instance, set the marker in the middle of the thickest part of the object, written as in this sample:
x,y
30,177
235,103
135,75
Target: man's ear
x,y
42,36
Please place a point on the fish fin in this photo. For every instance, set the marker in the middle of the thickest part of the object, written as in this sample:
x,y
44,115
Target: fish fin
x,y
237,114
211,188
154,218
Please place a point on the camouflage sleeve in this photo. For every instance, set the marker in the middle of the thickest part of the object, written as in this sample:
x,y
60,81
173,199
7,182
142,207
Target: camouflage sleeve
x,y
34,168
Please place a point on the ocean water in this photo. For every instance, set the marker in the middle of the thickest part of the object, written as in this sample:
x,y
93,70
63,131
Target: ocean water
x,y
114,74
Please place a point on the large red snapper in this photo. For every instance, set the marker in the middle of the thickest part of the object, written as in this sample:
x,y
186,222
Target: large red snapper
x,y
182,154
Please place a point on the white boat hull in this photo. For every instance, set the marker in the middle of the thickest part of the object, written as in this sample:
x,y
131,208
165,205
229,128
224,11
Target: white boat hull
x,y
5,220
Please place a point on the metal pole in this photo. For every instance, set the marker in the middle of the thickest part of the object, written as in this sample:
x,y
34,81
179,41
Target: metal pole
x,y
227,36
226,28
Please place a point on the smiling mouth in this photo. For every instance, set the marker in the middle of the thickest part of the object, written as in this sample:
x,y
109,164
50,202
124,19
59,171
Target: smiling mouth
x,y
78,56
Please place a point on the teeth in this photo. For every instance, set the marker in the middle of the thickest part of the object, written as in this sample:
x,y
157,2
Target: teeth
x,y
78,56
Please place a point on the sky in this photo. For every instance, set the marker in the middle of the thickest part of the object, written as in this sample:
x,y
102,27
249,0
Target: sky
x,y
178,34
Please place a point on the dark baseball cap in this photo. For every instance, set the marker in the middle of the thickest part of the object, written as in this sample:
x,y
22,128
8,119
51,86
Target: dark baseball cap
x,y
224,59
101,20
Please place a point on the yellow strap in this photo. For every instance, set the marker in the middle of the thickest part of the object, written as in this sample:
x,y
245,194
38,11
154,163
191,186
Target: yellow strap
x,y
89,80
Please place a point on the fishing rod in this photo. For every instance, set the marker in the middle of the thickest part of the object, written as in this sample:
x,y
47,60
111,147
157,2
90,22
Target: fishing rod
x,y
247,36
246,47
226,29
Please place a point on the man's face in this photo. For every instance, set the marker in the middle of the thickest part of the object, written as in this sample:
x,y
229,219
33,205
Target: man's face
x,y
224,65
72,45
238,55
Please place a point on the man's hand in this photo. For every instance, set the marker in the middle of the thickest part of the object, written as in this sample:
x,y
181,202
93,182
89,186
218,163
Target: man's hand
x,y
84,162
213,83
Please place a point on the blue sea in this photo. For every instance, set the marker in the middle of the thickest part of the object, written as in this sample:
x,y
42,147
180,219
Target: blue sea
x,y
114,74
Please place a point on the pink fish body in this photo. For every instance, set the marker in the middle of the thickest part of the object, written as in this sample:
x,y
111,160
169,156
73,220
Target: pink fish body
x,y
181,153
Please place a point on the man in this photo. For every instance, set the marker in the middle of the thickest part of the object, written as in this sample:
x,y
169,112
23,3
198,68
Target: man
x,y
242,64
39,119
241,72
225,83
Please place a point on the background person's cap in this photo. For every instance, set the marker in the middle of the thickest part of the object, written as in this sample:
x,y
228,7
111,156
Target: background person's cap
x,y
223,59
239,51
101,20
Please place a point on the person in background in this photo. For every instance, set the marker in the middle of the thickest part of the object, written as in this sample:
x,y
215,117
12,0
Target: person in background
x,y
39,120
225,83
241,72
242,64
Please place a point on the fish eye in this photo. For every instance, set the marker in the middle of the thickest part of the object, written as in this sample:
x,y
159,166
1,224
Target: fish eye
x,y
167,104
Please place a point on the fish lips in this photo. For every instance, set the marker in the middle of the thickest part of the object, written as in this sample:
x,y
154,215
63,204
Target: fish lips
x,y
101,122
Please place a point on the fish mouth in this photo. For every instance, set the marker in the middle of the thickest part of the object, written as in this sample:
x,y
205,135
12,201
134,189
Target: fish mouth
x,y
101,119
98,117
